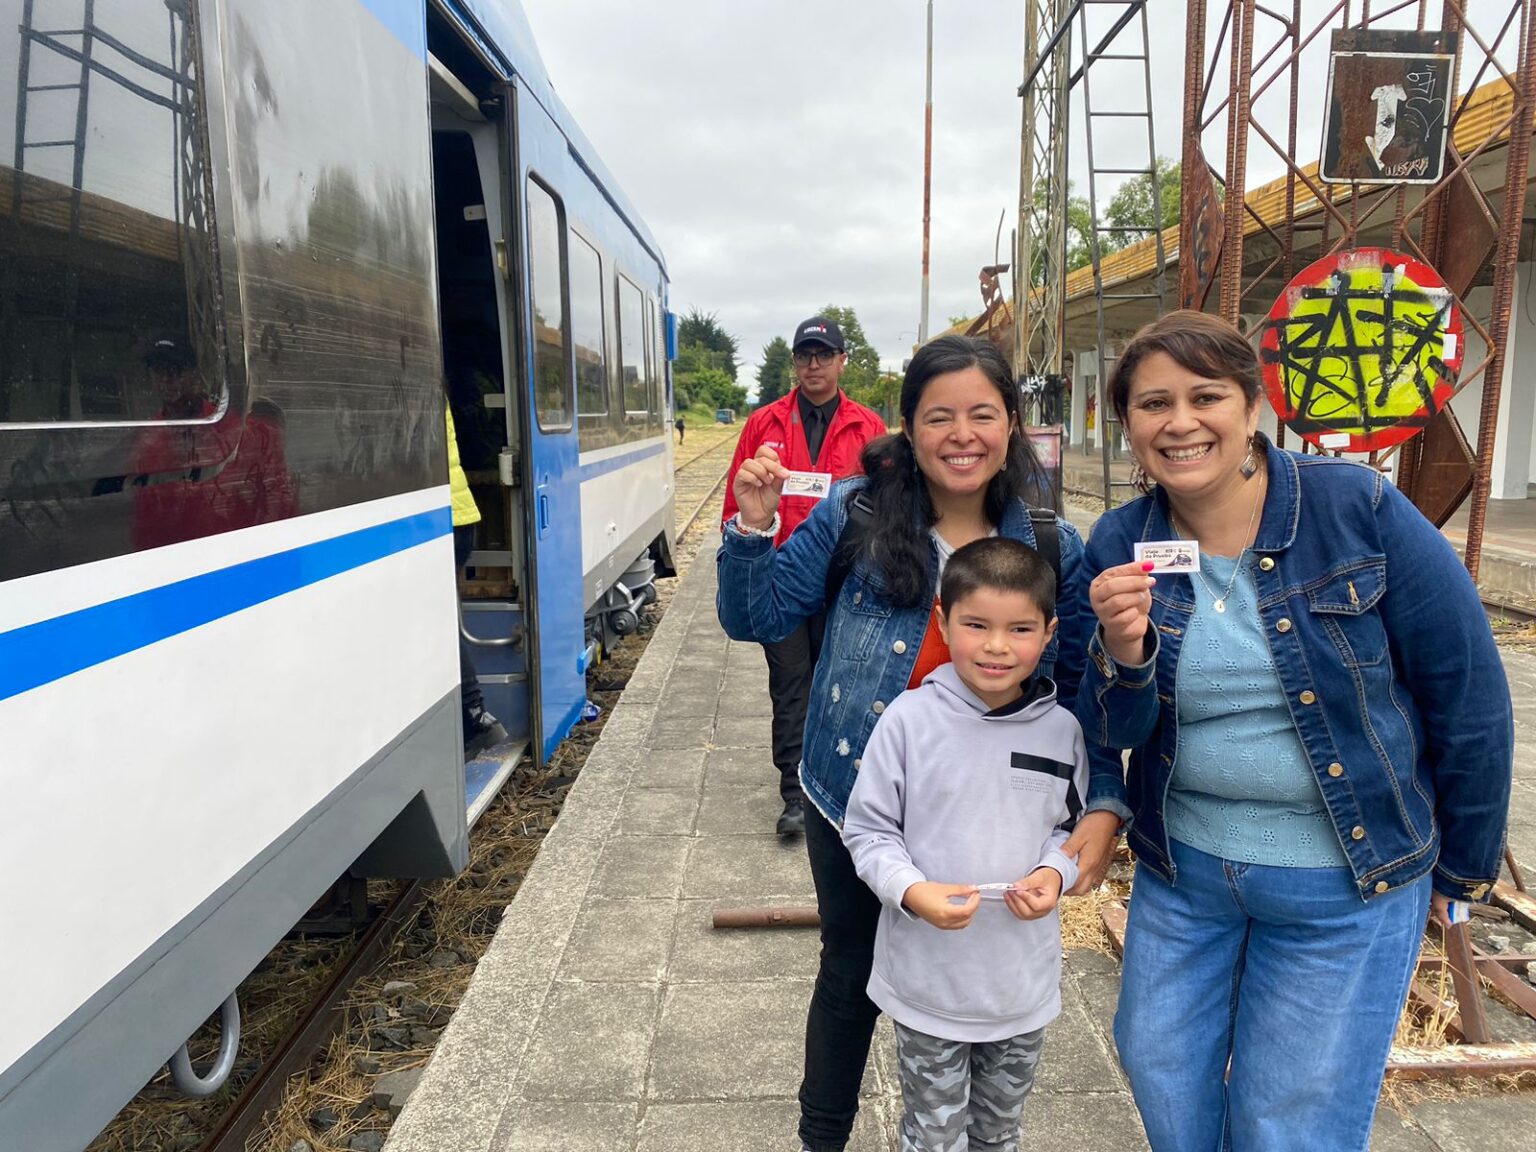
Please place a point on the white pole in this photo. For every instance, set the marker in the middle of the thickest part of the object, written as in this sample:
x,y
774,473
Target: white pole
x,y
922,328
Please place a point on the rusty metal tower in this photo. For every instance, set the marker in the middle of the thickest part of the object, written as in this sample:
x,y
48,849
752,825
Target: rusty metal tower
x,y
1244,85
1050,80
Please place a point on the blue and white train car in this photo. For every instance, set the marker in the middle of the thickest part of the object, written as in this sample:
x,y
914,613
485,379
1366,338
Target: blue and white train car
x,y
248,252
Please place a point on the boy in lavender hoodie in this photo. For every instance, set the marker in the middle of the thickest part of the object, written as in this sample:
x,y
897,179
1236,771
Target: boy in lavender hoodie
x,y
968,788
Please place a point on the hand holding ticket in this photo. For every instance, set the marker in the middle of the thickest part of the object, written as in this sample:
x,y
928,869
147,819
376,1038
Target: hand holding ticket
x,y
1169,555
812,484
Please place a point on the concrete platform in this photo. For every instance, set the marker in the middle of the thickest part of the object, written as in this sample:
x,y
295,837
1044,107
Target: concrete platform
x,y
607,1014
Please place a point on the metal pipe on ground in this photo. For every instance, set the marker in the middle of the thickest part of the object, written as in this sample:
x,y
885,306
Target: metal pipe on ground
x,y
788,916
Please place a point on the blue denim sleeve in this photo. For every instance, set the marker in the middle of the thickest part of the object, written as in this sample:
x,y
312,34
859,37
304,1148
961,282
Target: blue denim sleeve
x,y
1106,774
1444,655
1116,706
765,592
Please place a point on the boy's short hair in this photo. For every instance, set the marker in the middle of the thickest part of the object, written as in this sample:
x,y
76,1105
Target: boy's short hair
x,y
1001,564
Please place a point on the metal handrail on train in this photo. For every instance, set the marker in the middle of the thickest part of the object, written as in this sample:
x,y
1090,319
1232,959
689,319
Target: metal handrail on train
x,y
512,641
188,1082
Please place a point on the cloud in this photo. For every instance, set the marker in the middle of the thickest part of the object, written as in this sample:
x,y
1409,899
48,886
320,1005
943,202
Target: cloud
x,y
776,150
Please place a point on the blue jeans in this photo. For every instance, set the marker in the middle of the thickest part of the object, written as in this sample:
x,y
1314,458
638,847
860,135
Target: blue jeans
x,y
1258,1004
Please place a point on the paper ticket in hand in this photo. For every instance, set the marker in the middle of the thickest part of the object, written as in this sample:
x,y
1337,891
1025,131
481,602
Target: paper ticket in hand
x,y
1169,555
812,484
994,891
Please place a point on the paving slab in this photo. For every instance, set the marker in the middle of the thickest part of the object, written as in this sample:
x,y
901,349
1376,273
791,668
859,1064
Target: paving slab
x,y
609,1015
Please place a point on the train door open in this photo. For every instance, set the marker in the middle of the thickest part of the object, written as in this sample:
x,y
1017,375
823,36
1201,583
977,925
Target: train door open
x,y
477,304
538,178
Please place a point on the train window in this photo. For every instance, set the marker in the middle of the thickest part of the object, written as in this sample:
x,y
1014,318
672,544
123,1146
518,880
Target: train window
x,y
546,271
587,328
110,309
632,349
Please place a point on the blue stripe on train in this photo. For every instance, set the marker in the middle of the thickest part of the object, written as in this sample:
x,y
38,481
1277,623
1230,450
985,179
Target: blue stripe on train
x,y
49,650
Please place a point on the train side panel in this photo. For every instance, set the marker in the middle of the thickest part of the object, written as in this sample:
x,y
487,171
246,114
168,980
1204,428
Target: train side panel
x,y
226,628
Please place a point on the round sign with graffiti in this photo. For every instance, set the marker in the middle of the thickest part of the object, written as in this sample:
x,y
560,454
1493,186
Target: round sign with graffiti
x,y
1362,349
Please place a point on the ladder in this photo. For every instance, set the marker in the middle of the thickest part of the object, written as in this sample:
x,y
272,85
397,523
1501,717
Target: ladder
x,y
1124,168
84,45
57,41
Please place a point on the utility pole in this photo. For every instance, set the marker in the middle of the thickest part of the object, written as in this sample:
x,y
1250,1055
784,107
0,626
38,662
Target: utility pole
x,y
922,327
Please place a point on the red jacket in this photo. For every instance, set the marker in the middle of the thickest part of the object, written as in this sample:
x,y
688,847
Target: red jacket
x,y
778,425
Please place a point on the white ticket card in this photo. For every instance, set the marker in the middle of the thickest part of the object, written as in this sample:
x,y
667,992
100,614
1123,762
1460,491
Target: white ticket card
x,y
812,484
1170,555
994,891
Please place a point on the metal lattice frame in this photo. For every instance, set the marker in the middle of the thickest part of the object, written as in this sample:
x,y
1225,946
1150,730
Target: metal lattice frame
x,y
1042,234
1261,248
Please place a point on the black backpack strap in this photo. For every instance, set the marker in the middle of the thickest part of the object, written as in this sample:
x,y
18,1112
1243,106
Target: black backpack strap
x,y
1047,540
861,513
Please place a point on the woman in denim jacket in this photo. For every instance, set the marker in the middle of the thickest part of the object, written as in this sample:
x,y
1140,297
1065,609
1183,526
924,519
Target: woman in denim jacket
x,y
960,469
1321,745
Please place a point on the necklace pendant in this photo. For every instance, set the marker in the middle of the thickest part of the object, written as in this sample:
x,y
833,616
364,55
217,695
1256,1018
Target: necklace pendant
x,y
1221,605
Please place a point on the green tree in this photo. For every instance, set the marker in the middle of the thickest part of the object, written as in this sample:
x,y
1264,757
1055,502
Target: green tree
x,y
1131,206
861,378
777,375
718,390
716,347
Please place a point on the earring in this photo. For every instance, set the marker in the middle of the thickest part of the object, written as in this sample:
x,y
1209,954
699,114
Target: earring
x,y
1139,478
1249,466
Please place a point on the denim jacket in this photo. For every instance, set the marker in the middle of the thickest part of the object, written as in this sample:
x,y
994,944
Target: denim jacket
x,y
870,646
1387,662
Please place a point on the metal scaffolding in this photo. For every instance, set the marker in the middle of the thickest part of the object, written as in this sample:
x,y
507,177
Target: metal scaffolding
x,y
1049,80
85,44
1245,255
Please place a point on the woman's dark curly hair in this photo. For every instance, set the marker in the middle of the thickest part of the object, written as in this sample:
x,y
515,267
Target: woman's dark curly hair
x,y
896,544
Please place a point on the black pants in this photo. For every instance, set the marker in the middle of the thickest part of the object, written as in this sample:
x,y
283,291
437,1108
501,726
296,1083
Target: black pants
x,y
842,1016
469,682
791,662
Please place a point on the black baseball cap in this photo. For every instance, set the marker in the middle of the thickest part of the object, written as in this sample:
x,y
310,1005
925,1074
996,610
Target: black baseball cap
x,y
819,330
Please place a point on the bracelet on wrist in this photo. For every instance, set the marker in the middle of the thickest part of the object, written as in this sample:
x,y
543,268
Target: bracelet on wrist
x,y
770,531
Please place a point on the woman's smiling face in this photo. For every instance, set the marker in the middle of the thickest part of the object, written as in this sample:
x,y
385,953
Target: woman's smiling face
x,y
1189,433
960,432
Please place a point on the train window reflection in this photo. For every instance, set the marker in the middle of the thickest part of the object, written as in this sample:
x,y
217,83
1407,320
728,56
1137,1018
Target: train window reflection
x,y
110,309
587,328
632,349
546,272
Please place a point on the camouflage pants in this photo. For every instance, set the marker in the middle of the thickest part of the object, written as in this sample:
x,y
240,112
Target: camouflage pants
x,y
961,1096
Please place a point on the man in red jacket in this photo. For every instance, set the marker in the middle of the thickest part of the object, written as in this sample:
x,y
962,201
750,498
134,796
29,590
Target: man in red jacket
x,y
815,429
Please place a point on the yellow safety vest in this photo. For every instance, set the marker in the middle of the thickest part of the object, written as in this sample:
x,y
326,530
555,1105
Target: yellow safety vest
x,y
465,510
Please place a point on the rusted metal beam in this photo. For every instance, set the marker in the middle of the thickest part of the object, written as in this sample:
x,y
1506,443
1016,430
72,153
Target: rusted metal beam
x,y
1520,906
1516,180
1472,1016
789,916
1462,1060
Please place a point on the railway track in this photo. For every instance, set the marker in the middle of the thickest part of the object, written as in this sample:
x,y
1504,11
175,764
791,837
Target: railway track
x,y
699,478
697,481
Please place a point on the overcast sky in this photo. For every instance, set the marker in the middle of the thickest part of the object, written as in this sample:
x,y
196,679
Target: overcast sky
x,y
776,149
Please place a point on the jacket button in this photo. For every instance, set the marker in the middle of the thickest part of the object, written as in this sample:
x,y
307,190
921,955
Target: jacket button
x,y
856,764
1308,697
1283,625
899,647
1335,769
877,707
857,597
1382,886
1267,563
1357,833
1479,892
